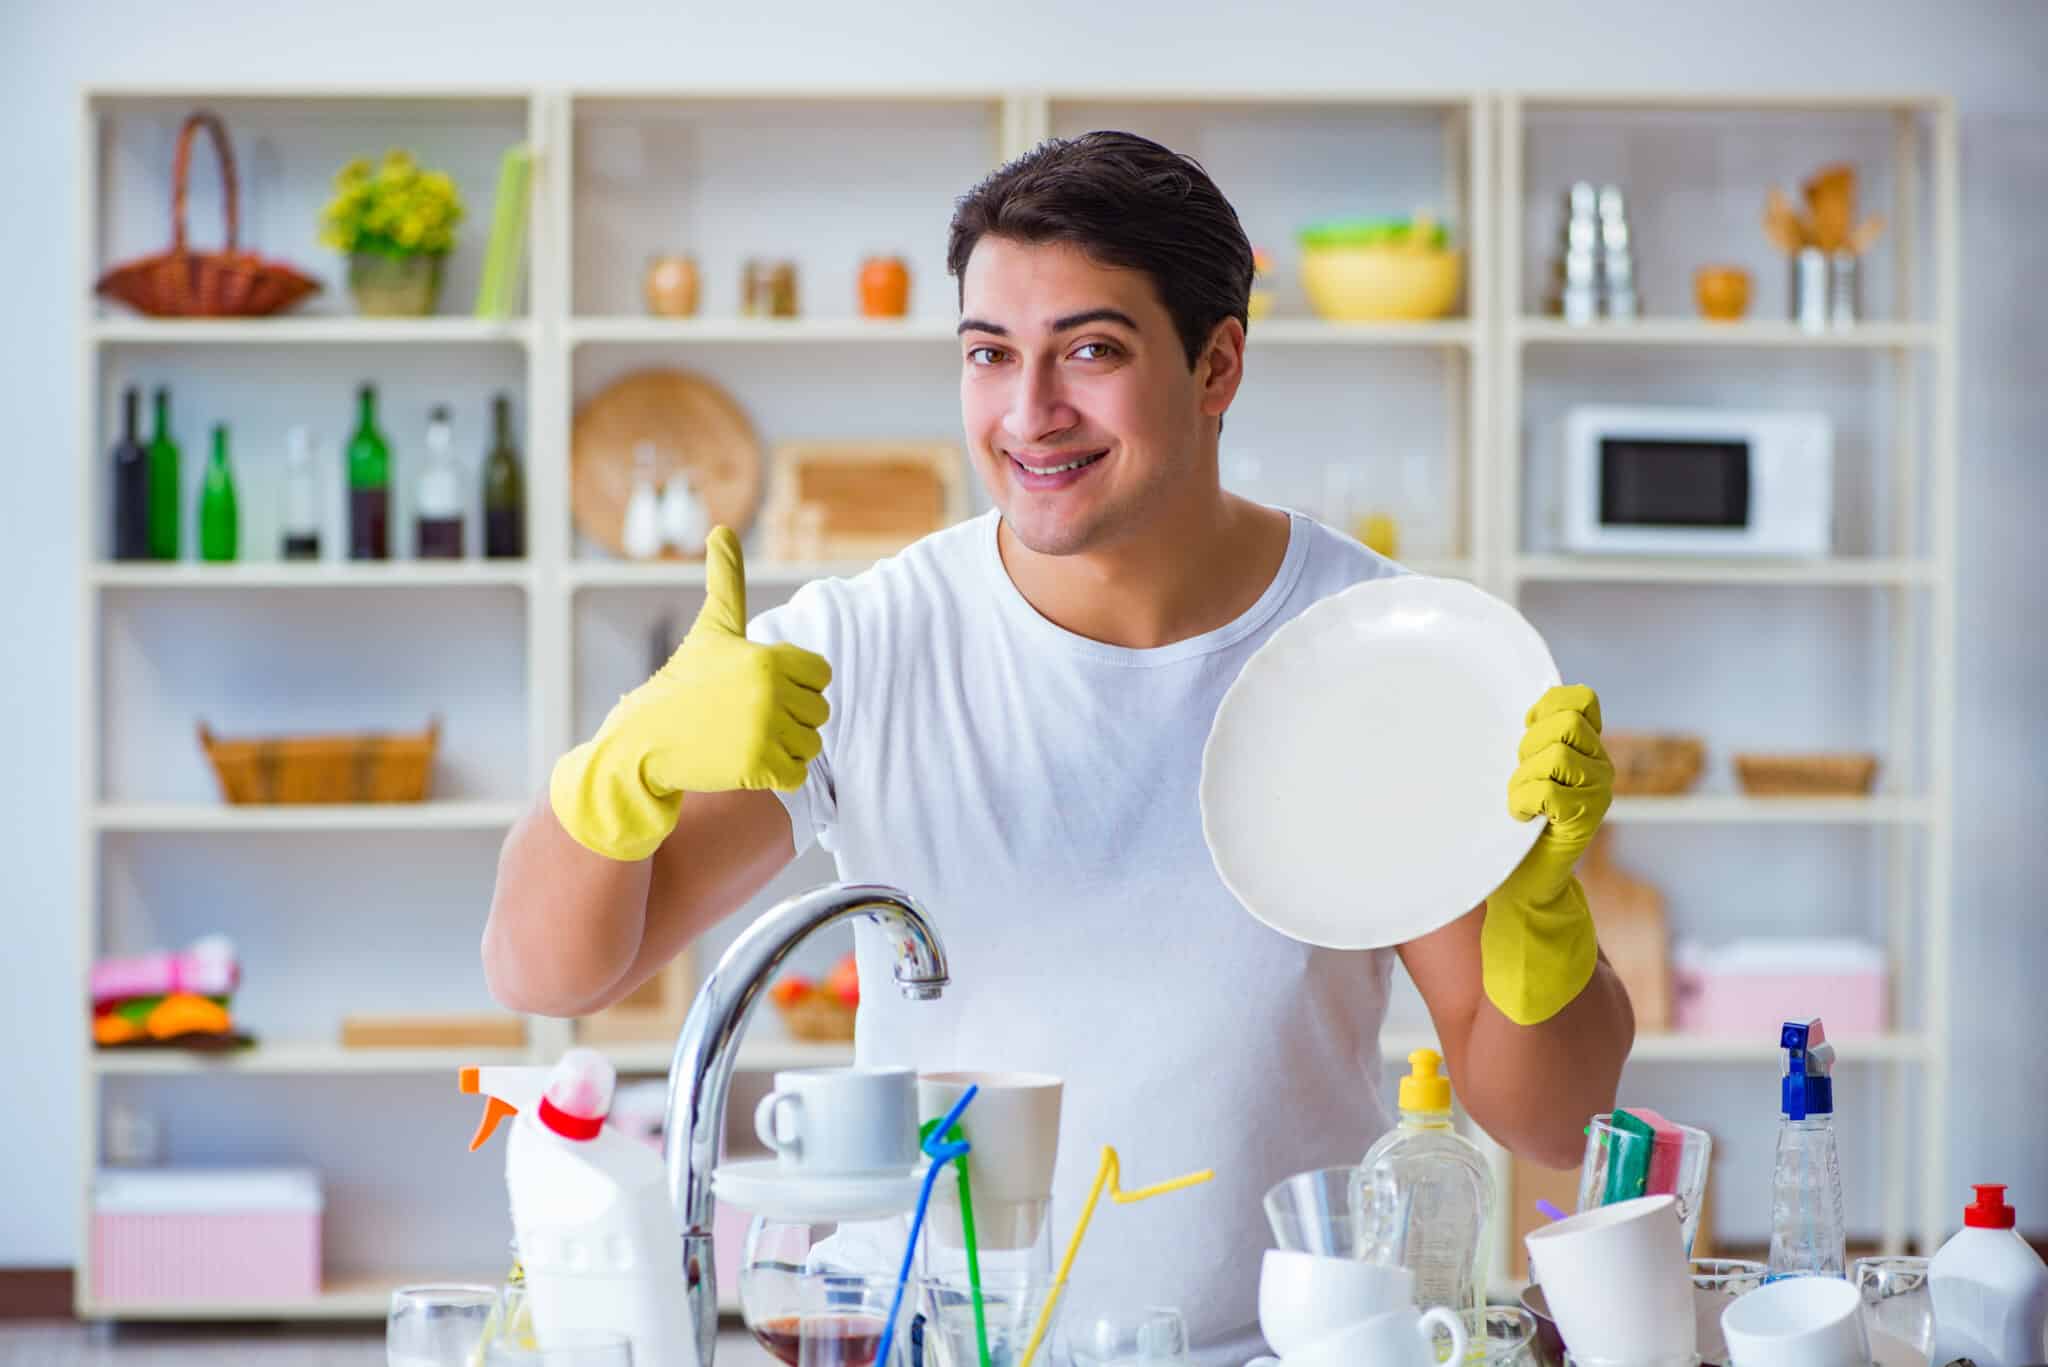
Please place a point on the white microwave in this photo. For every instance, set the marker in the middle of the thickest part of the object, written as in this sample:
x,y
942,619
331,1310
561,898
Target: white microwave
x,y
1697,481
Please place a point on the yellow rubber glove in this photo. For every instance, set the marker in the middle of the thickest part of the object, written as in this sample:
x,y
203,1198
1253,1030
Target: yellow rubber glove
x,y
723,713
1537,950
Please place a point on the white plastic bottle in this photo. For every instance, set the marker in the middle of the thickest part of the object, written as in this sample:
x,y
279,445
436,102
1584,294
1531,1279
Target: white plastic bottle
x,y
1990,1290
1441,1182
599,1243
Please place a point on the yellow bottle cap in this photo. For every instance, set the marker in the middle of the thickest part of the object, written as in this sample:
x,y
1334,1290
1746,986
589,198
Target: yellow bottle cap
x,y
1425,1088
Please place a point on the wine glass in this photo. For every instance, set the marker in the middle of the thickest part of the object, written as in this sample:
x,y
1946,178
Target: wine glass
x,y
437,1326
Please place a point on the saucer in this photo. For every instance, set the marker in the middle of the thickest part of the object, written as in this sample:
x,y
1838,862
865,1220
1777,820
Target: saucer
x,y
761,1187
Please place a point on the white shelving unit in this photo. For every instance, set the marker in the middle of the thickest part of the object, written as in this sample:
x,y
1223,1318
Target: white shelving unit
x,y
1903,143
620,174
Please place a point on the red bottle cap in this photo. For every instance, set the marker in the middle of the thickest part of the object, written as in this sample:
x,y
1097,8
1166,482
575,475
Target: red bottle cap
x,y
1989,1211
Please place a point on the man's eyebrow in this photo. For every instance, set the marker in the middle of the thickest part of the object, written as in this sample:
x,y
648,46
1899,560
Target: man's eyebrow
x,y
1066,324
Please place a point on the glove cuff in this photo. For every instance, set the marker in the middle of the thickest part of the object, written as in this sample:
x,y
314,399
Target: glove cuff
x,y
1535,958
600,799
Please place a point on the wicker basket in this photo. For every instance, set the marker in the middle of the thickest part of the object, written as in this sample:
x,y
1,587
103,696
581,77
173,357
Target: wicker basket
x,y
358,767
1654,765
820,1017
1819,775
182,283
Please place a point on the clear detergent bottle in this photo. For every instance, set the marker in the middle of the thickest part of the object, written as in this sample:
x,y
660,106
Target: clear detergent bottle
x,y
1441,1183
1806,1186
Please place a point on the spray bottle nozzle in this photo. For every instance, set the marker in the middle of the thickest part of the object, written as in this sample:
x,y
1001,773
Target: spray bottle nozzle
x,y
1807,1087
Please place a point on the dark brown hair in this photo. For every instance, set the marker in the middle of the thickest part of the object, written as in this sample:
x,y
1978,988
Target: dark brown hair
x,y
1127,202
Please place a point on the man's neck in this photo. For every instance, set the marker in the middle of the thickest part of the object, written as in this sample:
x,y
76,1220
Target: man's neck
x,y
1175,578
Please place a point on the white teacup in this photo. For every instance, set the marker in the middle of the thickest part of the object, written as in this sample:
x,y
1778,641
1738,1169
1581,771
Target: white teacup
x,y
1013,1125
1617,1282
1397,1338
1797,1322
837,1121
1307,1296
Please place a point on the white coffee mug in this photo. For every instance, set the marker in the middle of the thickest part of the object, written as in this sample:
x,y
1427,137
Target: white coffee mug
x,y
1797,1322
1397,1338
837,1121
1307,1296
1617,1281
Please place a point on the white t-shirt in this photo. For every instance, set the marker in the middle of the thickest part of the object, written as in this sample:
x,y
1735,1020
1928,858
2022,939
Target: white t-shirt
x,y
1036,792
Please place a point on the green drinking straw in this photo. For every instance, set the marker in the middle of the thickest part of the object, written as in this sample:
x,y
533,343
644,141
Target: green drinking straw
x,y
967,1237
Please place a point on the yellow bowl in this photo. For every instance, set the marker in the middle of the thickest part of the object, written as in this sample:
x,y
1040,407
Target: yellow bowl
x,y
1377,284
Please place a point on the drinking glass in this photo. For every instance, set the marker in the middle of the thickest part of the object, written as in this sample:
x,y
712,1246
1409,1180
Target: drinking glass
x,y
437,1326
564,1348
1152,1337
1897,1301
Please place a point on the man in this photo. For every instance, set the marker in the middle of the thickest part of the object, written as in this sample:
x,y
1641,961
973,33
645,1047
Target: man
x,y
1007,721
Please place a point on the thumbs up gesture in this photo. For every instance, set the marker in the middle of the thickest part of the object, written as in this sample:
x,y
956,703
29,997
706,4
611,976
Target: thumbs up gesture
x,y
723,713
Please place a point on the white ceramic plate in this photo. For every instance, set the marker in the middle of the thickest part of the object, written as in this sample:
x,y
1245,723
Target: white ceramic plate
x,y
760,1187
1355,781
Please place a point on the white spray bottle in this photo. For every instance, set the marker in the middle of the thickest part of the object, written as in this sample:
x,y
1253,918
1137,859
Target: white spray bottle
x,y
598,1239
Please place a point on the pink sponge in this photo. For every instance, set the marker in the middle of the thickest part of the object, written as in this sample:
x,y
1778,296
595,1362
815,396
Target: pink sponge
x,y
1665,1151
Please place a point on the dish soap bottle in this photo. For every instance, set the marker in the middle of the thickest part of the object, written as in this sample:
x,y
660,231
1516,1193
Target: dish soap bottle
x,y
1806,1186
1990,1289
597,1236
1441,1183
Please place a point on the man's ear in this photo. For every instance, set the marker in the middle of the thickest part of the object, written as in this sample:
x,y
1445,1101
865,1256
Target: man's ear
x,y
1219,370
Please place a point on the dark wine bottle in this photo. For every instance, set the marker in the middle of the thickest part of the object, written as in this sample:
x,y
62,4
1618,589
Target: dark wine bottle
x,y
504,488
131,486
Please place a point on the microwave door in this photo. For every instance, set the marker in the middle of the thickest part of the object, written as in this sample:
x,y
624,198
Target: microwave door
x,y
1663,495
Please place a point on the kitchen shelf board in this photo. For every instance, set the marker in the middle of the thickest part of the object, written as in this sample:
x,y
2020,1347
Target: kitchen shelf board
x,y
320,574
300,1058
198,818
346,1296
1738,810
1845,571
1760,333
310,331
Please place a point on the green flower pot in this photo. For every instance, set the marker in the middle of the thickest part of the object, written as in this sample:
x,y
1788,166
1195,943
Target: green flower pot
x,y
387,286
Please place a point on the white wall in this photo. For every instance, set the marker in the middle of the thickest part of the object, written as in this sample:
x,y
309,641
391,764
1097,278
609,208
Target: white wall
x,y
1991,57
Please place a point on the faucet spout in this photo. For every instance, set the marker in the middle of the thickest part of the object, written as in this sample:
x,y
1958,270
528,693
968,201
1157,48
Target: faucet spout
x,y
700,1074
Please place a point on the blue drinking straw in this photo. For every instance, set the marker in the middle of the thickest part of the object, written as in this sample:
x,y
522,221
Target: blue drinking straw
x,y
940,1152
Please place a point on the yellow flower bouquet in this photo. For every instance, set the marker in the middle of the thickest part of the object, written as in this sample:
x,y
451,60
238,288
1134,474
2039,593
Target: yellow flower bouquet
x,y
397,223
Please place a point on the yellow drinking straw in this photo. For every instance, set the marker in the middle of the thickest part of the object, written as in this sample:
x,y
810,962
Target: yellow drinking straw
x,y
1105,1176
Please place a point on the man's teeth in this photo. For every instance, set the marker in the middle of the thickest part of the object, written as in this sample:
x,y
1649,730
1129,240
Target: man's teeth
x,y
1062,469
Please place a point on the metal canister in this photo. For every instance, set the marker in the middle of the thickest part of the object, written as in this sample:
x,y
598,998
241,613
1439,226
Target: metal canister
x,y
1810,289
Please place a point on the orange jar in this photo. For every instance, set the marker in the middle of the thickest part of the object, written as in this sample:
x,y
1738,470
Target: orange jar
x,y
884,287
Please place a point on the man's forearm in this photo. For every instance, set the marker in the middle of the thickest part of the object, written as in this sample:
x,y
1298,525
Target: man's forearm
x,y
565,923
1533,1087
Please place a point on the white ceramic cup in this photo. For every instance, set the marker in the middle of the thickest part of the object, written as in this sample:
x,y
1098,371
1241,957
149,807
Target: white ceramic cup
x,y
1797,1322
1013,1128
1307,1296
1396,1338
1617,1281
837,1121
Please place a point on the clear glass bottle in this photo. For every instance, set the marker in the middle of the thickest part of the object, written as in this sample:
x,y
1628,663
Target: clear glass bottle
x,y
1807,1234
1440,1182
439,518
299,515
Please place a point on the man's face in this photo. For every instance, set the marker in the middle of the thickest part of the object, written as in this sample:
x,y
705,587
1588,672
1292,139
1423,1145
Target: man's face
x,y
1075,392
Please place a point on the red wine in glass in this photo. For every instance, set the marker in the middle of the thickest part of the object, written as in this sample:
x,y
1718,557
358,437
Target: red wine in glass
x,y
822,1340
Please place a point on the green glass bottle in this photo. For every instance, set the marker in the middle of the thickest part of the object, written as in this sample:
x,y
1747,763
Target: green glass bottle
x,y
369,484
504,488
219,527
163,484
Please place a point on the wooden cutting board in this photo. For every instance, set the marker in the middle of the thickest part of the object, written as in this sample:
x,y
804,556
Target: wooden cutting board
x,y
694,425
1628,914
484,1030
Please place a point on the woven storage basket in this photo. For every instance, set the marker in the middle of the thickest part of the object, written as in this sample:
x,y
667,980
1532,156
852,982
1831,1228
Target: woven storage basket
x,y
1654,765
1823,775
182,283
355,767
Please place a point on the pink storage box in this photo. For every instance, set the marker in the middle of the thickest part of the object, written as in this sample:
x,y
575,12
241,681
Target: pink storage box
x,y
1752,987
168,1235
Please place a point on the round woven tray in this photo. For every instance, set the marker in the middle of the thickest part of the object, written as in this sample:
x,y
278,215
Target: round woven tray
x,y
694,425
